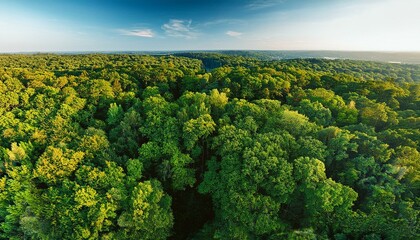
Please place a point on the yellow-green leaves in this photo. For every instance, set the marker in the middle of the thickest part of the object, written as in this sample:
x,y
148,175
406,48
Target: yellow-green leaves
x,y
194,129
85,197
56,164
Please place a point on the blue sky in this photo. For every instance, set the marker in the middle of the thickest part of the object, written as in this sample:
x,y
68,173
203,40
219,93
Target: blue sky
x,y
92,25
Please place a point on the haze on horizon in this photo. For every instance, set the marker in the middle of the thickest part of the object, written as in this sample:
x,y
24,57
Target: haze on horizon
x,y
140,25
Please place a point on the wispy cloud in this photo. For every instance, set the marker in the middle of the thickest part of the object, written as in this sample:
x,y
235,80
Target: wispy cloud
x,y
224,22
261,4
233,33
180,29
147,33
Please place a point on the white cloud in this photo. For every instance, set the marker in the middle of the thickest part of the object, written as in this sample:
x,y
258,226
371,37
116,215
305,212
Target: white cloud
x,y
224,22
233,33
261,4
148,33
180,29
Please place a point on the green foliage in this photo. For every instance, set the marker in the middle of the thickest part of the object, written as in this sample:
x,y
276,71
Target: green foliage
x,y
154,147
115,114
149,214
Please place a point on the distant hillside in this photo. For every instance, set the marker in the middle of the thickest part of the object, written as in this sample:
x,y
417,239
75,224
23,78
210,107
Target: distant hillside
x,y
370,70
389,57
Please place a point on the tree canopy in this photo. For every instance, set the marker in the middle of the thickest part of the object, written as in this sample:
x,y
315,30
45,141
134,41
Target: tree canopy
x,y
207,146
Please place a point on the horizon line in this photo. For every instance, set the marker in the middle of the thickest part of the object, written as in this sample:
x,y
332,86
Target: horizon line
x,y
205,50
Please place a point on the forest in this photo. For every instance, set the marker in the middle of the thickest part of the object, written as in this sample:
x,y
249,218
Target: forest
x,y
207,146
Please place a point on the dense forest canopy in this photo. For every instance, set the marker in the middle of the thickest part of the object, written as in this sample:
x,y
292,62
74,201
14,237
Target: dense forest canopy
x,y
207,146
